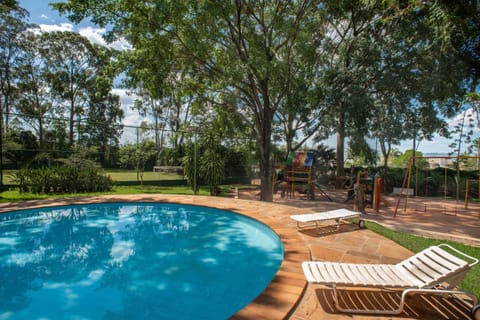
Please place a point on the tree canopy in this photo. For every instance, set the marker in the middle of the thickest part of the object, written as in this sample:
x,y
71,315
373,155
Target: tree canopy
x,y
299,69
260,72
242,56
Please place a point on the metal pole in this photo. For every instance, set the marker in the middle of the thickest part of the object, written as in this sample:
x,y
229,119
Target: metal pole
x,y
195,163
467,186
415,173
137,157
1,148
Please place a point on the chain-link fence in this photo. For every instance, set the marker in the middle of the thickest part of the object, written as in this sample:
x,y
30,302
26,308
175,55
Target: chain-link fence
x,y
155,151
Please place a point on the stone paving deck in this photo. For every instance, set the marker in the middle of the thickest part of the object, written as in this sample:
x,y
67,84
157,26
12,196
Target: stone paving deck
x,y
289,296
436,219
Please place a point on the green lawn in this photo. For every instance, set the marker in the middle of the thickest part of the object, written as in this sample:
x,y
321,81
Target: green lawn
x,y
131,175
14,195
116,175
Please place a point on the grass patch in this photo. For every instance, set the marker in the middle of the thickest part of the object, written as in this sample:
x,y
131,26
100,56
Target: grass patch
x,y
157,190
470,283
115,174
14,195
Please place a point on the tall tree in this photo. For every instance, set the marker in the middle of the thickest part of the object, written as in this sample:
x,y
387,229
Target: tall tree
x,y
232,48
169,107
158,83
102,127
12,24
385,53
301,115
36,100
72,64
403,82
351,26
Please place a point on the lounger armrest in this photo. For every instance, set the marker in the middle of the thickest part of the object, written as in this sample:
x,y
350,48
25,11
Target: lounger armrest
x,y
473,260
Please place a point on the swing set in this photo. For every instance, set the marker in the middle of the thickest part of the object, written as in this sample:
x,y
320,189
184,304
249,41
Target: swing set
x,y
472,186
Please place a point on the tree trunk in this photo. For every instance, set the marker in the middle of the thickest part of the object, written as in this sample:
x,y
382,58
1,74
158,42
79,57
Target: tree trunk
x,y
288,147
157,134
1,144
340,144
386,154
6,99
359,200
264,139
71,123
289,137
266,192
40,132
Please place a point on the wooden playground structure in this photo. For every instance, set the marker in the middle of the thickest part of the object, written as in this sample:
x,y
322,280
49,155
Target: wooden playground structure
x,y
299,176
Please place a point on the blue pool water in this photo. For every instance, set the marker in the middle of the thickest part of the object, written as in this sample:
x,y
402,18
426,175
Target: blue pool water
x,y
132,261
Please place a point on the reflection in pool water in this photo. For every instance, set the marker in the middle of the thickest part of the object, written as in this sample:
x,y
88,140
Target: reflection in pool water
x,y
132,261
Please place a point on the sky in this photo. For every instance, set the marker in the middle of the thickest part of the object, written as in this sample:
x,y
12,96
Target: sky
x,y
49,20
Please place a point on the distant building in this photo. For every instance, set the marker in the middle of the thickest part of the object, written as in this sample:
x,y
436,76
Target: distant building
x,y
436,160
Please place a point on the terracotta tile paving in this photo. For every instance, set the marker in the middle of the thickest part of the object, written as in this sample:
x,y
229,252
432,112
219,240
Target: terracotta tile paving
x,y
288,296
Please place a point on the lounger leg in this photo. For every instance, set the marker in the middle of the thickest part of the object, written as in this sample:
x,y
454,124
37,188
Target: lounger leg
x,y
365,311
361,224
476,312
401,304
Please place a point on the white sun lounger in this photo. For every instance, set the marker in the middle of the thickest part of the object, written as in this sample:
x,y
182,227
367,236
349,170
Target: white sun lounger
x,y
432,271
314,219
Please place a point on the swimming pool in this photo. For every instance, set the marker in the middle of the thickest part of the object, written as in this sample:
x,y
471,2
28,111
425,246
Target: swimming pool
x,y
131,261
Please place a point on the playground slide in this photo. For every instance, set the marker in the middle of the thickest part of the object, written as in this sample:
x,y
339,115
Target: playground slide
x,y
321,191
290,158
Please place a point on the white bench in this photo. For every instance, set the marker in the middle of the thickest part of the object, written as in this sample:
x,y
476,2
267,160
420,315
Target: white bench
x,y
397,191
168,169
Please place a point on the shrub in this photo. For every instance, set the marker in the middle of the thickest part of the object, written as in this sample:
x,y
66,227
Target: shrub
x,y
212,170
69,178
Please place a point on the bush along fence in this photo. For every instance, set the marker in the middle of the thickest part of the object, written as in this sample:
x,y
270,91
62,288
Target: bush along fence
x,y
64,179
